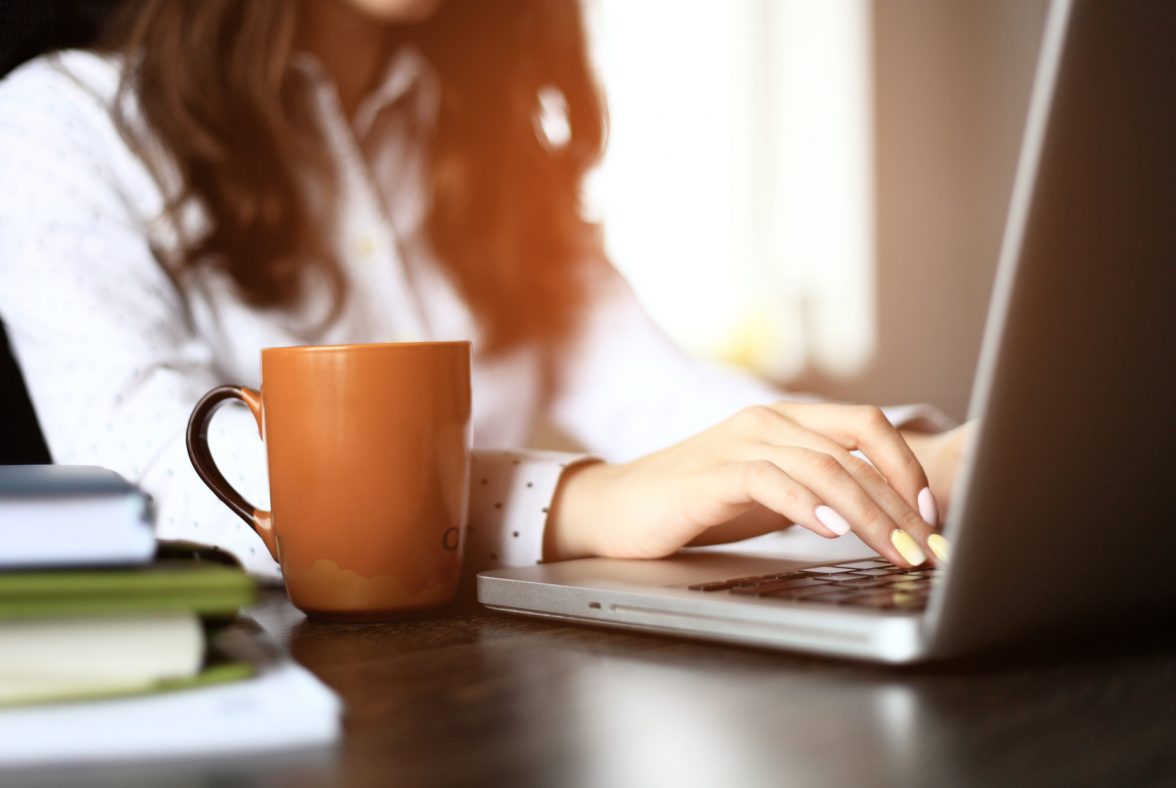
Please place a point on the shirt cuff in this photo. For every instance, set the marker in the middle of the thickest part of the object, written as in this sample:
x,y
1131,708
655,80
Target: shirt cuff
x,y
510,494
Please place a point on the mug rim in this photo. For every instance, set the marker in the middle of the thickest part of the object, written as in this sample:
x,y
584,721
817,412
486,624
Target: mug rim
x,y
362,346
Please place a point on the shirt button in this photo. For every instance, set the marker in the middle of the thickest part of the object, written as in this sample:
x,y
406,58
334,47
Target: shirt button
x,y
365,247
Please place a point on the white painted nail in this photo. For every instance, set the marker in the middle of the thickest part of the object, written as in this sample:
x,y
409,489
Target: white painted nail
x,y
832,520
928,508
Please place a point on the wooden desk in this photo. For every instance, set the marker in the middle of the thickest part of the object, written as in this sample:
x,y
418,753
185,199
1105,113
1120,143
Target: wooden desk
x,y
472,697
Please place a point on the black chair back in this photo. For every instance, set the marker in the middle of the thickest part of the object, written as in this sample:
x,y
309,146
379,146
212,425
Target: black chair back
x,y
21,442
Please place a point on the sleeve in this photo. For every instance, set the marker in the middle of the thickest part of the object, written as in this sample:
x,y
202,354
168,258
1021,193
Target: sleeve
x,y
627,390
510,494
99,328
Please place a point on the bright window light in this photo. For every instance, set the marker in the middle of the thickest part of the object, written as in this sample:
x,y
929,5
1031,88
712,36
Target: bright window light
x,y
737,191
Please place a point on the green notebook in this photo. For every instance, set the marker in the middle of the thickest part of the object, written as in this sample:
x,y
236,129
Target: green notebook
x,y
165,586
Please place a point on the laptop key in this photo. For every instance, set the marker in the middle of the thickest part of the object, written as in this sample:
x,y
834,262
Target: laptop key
x,y
920,580
870,563
908,586
736,581
874,599
832,597
723,585
827,595
718,585
910,601
887,600
823,599
781,585
764,578
822,570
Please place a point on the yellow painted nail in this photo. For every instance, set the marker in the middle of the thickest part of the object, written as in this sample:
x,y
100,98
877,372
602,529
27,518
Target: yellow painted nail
x,y
906,547
940,546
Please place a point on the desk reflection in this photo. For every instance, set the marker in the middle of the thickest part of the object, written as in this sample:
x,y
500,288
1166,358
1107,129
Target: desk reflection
x,y
471,696
644,722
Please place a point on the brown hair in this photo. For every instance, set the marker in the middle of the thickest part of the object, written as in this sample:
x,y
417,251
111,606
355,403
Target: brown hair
x,y
211,79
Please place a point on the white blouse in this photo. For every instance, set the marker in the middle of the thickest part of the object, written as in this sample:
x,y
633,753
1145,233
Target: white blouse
x,y
116,351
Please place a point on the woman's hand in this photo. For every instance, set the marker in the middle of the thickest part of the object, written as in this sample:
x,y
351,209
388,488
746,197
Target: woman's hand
x,y
760,470
940,454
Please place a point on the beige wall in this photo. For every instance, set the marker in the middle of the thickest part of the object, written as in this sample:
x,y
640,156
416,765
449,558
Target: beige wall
x,y
951,91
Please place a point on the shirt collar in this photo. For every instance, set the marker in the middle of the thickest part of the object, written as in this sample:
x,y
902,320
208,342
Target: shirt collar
x,y
408,79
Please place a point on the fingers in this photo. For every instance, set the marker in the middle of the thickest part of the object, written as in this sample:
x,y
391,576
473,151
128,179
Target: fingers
x,y
892,503
820,495
900,538
881,492
866,428
813,446
767,484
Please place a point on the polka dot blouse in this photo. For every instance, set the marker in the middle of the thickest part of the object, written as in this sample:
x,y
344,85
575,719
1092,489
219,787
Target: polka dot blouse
x,y
116,352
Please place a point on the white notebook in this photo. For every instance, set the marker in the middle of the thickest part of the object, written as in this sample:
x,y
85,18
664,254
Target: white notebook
x,y
283,707
72,515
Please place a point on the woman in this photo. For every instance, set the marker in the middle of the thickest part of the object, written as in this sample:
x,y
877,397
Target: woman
x,y
227,175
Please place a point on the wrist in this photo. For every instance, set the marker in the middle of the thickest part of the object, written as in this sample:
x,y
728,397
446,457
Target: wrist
x,y
931,450
922,444
572,516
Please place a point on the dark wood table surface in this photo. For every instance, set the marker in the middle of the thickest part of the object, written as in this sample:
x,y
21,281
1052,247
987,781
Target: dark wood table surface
x,y
467,696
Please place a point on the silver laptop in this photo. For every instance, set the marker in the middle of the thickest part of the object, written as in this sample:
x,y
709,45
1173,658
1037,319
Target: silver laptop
x,y
1065,514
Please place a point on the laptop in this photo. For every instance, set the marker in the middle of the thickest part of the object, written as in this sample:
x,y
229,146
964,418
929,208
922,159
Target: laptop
x,y
1063,517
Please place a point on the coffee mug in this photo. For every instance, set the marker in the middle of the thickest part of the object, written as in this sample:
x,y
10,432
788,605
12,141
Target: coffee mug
x,y
368,452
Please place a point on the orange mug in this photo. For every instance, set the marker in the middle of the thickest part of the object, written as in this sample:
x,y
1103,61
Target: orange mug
x,y
368,449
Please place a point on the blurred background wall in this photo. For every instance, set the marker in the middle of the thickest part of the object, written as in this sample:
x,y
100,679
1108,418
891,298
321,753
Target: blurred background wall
x,y
952,82
891,128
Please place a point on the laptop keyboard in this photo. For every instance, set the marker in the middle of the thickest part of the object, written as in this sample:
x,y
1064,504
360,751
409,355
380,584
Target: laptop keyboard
x,y
873,583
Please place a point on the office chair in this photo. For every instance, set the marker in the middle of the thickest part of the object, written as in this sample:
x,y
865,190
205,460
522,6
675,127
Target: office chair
x,y
21,442
29,28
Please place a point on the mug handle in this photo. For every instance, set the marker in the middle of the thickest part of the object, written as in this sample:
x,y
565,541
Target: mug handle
x,y
259,520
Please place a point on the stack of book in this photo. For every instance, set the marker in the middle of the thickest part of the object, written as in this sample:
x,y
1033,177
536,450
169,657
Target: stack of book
x,y
108,651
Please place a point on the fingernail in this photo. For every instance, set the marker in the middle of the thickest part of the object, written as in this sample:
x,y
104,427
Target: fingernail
x,y
940,546
832,520
928,508
906,547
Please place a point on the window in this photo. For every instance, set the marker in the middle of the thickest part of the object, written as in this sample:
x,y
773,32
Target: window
x,y
737,191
